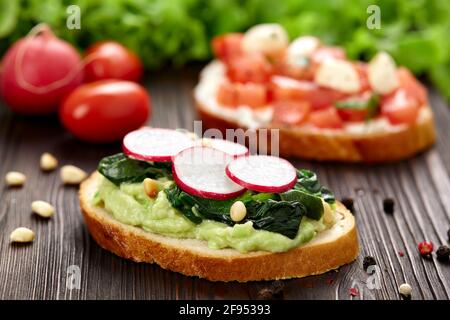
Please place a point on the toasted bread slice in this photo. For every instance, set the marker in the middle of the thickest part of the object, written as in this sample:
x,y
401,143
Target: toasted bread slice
x,y
368,144
328,250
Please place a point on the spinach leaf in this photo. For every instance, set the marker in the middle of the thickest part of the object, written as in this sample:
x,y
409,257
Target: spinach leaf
x,y
276,216
262,209
312,203
119,168
307,181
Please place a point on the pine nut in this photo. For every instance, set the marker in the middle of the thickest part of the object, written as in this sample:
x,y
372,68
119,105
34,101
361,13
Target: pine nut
x,y
150,187
22,235
48,162
42,208
238,211
206,143
405,290
72,175
15,179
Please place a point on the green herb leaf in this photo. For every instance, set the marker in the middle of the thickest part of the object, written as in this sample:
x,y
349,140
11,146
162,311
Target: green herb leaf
x,y
371,105
307,181
313,203
119,168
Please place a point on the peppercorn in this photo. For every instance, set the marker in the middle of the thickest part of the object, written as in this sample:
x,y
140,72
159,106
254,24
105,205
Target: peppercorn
x,y
425,249
443,254
368,261
348,203
354,292
274,291
388,205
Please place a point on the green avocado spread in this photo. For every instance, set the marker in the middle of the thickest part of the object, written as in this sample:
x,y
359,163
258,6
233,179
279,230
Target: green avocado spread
x,y
128,203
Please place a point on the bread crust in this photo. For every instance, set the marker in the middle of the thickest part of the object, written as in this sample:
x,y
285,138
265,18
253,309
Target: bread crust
x,y
325,252
310,144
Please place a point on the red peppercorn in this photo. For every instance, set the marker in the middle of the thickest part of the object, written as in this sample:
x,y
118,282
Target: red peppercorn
x,y
425,249
354,292
401,253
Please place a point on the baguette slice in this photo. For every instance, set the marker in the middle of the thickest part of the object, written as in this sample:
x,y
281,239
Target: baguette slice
x,y
329,250
391,144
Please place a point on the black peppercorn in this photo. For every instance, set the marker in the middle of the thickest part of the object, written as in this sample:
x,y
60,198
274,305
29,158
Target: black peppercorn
x,y
388,205
368,261
274,291
348,203
443,254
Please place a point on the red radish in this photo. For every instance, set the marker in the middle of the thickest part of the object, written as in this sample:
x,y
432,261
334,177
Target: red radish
x,y
155,144
200,171
229,147
262,173
38,71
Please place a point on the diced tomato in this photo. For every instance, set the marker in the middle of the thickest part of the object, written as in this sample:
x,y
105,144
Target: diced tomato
x,y
326,118
361,68
324,53
247,94
226,95
352,115
227,45
249,68
290,112
412,86
251,94
284,88
400,108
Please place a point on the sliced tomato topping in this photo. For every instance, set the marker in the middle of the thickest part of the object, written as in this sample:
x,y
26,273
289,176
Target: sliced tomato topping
x,y
249,68
284,88
242,94
227,46
400,108
412,86
290,112
326,118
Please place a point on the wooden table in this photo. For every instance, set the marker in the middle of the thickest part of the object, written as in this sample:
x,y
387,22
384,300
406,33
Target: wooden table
x,y
419,186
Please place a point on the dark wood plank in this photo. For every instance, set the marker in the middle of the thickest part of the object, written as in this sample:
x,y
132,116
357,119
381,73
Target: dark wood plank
x,y
420,187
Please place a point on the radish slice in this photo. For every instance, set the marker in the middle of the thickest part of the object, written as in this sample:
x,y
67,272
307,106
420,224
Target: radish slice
x,y
262,173
201,171
155,144
229,147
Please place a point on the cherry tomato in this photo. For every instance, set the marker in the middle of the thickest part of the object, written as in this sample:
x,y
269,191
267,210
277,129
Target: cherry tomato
x,y
412,86
227,46
249,68
253,95
111,60
326,118
284,88
290,112
106,110
400,108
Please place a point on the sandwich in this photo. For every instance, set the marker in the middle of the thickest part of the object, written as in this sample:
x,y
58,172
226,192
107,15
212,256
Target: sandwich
x,y
325,106
207,208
